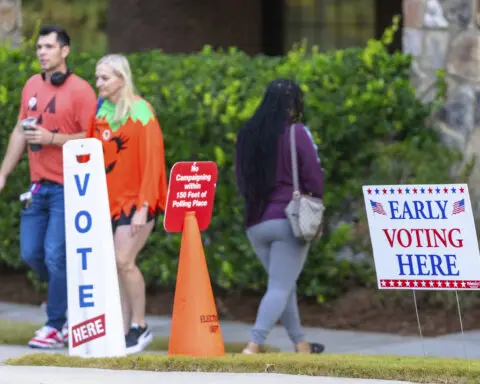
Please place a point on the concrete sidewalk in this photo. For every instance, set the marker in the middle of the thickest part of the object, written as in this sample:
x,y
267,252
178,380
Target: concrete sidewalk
x,y
335,341
55,375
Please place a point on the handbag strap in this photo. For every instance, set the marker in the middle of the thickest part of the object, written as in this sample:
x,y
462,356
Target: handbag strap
x,y
293,152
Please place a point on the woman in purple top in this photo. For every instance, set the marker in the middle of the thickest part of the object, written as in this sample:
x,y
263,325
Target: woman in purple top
x,y
264,178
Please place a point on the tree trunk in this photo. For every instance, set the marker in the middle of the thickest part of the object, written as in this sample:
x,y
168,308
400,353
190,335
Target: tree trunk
x,y
11,22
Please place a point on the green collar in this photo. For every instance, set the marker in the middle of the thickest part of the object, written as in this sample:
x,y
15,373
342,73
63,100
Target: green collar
x,y
140,111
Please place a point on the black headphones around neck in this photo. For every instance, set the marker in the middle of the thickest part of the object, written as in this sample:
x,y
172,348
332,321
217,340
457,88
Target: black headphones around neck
x,y
58,78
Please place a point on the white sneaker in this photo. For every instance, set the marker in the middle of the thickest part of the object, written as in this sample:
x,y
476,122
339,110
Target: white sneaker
x,y
137,339
47,338
65,332
65,326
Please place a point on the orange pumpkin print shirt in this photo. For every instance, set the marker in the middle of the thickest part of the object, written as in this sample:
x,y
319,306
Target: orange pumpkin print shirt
x,y
134,158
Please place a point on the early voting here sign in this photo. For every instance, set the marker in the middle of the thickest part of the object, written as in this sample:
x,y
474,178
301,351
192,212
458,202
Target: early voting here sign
x,y
423,237
95,320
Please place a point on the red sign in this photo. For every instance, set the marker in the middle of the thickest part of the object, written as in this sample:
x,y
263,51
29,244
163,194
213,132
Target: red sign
x,y
88,330
191,189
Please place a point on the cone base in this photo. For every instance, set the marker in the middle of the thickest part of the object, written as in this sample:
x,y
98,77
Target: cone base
x,y
195,328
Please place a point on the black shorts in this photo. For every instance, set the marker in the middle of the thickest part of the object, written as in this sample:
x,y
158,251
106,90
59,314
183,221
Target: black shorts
x,y
123,219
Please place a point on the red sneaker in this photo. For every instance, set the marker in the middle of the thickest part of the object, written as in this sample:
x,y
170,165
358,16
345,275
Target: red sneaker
x,y
46,338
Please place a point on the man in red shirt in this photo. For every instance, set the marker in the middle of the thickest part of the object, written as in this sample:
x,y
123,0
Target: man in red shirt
x,y
62,104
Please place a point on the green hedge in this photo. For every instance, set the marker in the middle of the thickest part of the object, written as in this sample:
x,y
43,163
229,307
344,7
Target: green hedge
x,y
360,106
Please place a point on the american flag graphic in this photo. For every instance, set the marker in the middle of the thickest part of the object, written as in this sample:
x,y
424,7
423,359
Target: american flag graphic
x,y
458,206
378,208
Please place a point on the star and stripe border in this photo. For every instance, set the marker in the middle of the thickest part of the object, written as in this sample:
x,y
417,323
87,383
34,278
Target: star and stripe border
x,y
415,190
428,284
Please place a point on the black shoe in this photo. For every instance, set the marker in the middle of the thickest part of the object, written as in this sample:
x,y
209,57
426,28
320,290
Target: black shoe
x,y
137,339
317,347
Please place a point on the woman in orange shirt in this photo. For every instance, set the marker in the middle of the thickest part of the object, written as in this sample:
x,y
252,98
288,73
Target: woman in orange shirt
x,y
136,179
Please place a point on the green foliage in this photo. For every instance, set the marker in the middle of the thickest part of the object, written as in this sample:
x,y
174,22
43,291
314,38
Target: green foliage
x,y
82,18
360,106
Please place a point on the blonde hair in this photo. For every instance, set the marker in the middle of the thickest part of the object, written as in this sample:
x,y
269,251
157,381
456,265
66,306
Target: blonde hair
x,y
121,68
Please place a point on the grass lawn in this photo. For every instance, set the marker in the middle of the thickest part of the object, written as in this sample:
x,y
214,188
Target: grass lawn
x,y
18,333
415,369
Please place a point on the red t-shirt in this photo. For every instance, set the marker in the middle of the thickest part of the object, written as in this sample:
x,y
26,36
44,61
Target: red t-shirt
x,y
66,109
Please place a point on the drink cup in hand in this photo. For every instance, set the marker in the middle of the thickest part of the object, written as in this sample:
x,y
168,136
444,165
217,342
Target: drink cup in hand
x,y
28,125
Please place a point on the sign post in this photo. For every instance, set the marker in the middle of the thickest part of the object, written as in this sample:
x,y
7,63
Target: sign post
x,y
195,327
95,321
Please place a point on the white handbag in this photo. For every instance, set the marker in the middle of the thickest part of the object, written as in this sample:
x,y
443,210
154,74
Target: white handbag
x,y
304,212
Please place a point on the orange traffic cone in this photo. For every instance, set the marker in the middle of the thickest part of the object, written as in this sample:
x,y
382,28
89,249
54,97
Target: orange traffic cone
x,y
195,328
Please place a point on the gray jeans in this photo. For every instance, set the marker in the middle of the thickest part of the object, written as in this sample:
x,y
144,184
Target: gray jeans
x,y
283,258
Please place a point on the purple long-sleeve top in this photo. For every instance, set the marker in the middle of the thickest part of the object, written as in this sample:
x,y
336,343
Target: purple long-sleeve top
x,y
310,173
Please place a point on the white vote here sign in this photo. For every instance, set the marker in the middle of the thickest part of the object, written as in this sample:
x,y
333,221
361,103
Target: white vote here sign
x,y
94,309
423,236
